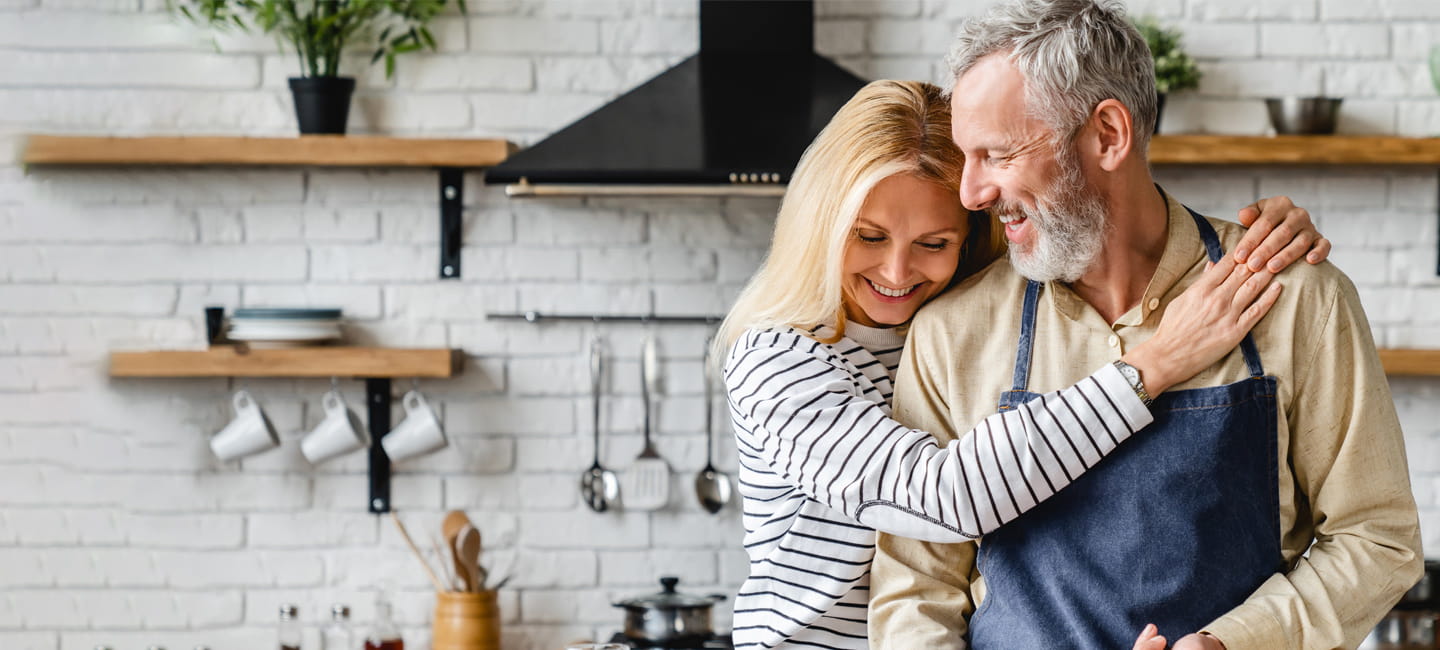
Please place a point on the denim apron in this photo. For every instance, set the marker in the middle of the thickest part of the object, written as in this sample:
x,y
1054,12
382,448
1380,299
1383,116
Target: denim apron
x,y
1176,527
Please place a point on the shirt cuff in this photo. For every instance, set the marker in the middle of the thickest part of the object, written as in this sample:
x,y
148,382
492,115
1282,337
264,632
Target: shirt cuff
x,y
1247,627
1119,389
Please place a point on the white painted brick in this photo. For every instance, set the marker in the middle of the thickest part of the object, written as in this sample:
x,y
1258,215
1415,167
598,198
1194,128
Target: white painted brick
x,y
589,74
91,31
1366,117
1329,192
585,299
1414,190
1263,78
1418,119
30,640
397,114
1380,79
164,185
367,568
738,227
559,454
615,264
44,299
449,300
1372,9
866,8
556,569
1365,267
527,35
571,223
66,221
121,111
840,37
109,69
191,530
1215,10
1347,40
374,263
512,416
910,37
567,606
57,526
448,73
505,112
1413,41
1384,305
1229,117
417,225
639,568
351,493
1416,267
397,334
737,264
650,36
1218,40
278,68
219,225
697,530
369,187
305,529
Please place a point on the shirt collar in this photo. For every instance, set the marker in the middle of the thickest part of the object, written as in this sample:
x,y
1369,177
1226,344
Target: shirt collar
x,y
1183,251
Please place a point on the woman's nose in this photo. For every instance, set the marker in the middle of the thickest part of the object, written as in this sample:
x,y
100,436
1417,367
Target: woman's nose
x,y
896,268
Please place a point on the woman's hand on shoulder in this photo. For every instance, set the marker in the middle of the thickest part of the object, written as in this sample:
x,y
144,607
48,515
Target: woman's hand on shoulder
x,y
1280,234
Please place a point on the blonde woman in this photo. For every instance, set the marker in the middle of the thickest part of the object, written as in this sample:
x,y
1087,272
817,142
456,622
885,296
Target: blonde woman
x,y
870,229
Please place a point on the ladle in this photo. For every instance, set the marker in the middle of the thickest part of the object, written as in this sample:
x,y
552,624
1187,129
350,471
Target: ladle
x,y
713,487
598,486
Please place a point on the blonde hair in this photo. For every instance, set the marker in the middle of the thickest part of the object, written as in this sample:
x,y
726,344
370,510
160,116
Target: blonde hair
x,y
887,128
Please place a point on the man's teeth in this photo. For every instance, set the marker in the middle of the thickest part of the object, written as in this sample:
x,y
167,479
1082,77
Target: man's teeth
x,y
893,293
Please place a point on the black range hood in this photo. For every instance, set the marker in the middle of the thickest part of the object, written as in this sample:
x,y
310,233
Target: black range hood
x,y
732,119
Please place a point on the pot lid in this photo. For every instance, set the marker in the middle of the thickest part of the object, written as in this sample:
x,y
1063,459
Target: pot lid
x,y
668,598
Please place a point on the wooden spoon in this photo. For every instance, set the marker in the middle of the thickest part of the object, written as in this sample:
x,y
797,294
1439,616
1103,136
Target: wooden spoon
x,y
467,554
450,528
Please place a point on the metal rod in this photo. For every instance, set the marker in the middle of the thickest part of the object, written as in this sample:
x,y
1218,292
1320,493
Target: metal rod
x,y
535,317
377,404
530,190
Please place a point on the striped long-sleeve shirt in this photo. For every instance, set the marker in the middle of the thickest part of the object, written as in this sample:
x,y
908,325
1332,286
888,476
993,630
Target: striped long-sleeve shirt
x,y
823,465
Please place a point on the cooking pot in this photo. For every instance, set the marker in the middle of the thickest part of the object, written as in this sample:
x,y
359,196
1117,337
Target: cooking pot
x,y
1423,594
669,617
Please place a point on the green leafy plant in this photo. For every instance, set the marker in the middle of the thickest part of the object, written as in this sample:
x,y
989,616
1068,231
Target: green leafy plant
x,y
1174,69
319,30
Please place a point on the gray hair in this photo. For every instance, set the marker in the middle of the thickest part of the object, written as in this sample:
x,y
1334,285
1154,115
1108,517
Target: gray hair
x,y
1073,54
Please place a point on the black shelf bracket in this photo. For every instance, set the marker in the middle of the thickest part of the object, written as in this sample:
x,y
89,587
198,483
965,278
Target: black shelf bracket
x,y
452,194
377,405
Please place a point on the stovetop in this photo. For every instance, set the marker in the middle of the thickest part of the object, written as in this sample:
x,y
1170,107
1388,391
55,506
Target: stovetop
x,y
717,642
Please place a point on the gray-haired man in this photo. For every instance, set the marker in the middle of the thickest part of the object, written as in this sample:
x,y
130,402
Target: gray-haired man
x,y
1269,504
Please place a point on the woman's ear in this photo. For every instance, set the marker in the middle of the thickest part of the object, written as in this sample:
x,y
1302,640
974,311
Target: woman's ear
x,y
1111,134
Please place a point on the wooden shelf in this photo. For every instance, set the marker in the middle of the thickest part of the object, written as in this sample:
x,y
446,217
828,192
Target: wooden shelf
x,y
319,361
1411,363
1293,150
321,150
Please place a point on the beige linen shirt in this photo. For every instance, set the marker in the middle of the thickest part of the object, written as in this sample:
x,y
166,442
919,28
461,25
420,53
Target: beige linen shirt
x,y
1349,530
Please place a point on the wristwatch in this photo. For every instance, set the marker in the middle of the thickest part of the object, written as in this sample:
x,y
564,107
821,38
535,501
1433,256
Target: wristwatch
x,y
1132,375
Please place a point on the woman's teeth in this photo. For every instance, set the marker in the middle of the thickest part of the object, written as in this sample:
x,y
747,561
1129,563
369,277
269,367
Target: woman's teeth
x,y
893,293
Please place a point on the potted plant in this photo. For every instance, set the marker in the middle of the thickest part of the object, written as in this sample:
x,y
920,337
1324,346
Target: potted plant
x,y
1174,69
319,31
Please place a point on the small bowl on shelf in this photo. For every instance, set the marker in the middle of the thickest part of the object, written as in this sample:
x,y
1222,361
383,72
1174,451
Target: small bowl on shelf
x,y
1303,115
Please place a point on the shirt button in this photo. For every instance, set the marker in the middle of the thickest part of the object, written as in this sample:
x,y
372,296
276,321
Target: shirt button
x,y
1114,341
1154,302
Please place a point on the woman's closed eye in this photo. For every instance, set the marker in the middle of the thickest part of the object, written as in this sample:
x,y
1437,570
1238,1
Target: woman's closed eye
x,y
937,246
871,236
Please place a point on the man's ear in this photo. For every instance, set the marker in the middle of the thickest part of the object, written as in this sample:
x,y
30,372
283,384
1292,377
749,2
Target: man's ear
x,y
1110,134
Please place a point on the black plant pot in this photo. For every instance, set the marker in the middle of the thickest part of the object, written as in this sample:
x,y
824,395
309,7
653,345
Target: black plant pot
x,y
322,104
1159,110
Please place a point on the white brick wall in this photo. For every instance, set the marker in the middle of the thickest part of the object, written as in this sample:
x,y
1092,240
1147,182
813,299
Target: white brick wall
x,y
118,527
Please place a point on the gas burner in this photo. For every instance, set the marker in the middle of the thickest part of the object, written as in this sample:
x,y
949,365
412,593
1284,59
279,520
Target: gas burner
x,y
717,642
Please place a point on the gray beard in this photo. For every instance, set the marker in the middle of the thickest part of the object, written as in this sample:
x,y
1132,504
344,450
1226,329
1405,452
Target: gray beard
x,y
1070,226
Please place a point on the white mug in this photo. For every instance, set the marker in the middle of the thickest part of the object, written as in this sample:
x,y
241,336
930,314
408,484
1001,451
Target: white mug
x,y
419,433
250,432
339,433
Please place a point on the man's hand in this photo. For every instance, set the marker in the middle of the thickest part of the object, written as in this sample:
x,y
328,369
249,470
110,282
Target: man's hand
x,y
1150,639
1280,233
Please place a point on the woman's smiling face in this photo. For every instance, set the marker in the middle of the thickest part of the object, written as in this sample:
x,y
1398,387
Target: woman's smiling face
x,y
903,250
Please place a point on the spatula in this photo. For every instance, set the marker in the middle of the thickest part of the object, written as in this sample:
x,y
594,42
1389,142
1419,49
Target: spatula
x,y
649,476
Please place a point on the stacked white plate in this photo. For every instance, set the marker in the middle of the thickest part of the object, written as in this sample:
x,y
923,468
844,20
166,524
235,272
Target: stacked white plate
x,y
285,327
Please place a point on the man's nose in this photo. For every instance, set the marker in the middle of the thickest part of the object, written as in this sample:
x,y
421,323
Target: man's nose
x,y
977,191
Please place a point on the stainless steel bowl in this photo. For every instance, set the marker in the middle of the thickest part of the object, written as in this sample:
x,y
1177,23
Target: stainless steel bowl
x,y
1303,115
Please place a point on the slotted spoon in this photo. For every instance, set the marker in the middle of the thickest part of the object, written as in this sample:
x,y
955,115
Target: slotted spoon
x,y
648,486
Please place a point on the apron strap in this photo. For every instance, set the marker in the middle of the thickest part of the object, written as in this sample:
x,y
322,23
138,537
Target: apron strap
x,y
1213,250
1027,335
